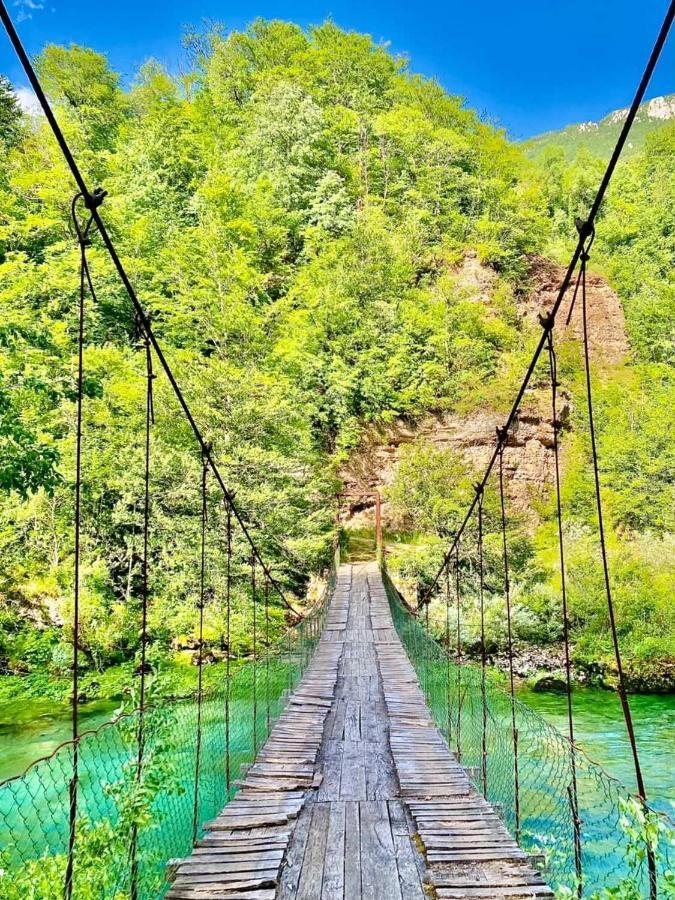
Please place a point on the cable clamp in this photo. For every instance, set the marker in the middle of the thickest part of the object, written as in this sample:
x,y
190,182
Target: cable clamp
x,y
585,229
143,669
547,322
586,235
93,201
502,434
478,488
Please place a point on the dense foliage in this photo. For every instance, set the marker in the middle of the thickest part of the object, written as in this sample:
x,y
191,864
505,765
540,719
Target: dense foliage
x,y
291,209
635,249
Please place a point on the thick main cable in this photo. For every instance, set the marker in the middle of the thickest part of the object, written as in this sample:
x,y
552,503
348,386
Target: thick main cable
x,y
93,201
585,231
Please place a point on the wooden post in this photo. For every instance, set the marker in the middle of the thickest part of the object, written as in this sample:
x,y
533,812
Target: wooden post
x,y
379,548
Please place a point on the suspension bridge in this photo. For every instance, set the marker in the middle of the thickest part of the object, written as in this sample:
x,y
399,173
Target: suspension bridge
x,y
356,756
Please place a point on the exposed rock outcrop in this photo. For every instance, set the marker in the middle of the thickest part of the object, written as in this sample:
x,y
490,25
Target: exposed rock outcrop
x,y
606,323
528,457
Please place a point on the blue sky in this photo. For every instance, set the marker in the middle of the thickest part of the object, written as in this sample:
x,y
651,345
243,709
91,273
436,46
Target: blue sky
x,y
532,65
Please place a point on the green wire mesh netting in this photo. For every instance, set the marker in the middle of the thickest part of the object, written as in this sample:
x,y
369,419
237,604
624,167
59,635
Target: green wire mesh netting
x,y
614,826
116,808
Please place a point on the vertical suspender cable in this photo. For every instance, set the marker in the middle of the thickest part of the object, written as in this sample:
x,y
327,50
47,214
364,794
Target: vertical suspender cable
x,y
228,649
459,655
266,598
447,652
483,655
651,862
255,657
427,651
142,670
572,790
289,654
83,239
200,657
507,594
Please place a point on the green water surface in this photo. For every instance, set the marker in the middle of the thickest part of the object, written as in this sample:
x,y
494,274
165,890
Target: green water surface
x,y
600,729
31,729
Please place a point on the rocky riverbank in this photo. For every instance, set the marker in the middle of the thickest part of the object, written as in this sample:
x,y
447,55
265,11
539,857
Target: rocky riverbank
x,y
544,670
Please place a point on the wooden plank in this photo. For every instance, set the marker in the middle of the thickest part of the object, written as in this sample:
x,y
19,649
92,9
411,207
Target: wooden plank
x,y
408,871
311,877
353,776
332,770
352,851
379,870
292,866
334,863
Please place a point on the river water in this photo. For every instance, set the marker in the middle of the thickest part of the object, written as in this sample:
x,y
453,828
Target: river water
x,y
601,732
32,729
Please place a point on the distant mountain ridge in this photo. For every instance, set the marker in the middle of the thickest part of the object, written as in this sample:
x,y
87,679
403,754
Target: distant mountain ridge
x,y
599,137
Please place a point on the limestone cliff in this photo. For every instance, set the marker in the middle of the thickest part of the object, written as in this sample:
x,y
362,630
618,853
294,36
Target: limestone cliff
x,y
528,457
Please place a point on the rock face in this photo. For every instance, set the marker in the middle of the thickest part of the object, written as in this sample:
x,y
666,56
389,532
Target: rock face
x,y
528,457
606,322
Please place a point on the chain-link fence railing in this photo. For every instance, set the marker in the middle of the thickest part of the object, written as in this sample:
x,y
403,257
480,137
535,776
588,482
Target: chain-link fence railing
x,y
193,755
614,828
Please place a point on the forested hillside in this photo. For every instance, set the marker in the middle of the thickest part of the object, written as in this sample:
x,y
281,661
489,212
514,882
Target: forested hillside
x,y
293,209
599,138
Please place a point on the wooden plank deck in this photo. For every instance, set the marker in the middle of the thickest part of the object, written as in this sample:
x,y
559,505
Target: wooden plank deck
x,y
354,778
353,840
241,852
468,851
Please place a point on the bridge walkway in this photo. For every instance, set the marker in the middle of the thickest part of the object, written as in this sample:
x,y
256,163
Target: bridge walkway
x,y
356,796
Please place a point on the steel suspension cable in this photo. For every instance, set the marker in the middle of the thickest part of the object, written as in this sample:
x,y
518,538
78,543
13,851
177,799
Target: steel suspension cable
x,y
200,656
143,669
93,201
509,633
584,231
623,696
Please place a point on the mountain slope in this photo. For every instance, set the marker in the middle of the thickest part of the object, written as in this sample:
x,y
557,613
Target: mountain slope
x,y
599,137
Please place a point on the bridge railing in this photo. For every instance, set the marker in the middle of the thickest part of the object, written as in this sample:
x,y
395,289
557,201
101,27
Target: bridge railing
x,y
194,753
613,827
